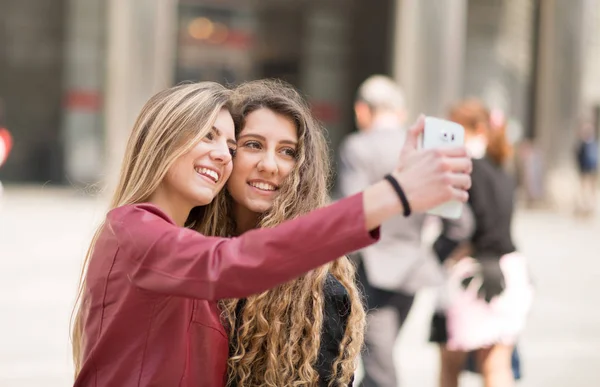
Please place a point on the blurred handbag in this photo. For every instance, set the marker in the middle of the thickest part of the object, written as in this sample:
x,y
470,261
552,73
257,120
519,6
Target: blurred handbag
x,y
484,305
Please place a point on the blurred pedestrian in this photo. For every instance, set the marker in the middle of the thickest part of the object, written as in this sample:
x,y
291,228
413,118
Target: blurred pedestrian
x,y
587,163
394,269
489,291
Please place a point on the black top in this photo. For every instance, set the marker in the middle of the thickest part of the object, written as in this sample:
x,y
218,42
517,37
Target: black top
x,y
491,198
336,312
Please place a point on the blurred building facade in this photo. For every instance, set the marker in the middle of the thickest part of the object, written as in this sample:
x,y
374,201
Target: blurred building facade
x,y
74,73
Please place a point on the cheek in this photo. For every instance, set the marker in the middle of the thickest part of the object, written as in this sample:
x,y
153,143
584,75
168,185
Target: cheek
x,y
177,173
242,166
237,179
286,168
227,173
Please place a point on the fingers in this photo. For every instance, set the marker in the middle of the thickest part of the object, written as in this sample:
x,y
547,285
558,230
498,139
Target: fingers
x,y
412,138
458,151
460,194
460,180
456,164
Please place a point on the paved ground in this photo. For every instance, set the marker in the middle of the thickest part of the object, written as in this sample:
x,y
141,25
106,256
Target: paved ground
x,y
44,234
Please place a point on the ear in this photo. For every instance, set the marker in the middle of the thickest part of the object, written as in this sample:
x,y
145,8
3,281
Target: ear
x,y
363,115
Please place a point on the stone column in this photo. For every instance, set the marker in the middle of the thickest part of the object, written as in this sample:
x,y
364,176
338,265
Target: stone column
x,y
324,67
562,52
142,38
83,87
429,53
591,74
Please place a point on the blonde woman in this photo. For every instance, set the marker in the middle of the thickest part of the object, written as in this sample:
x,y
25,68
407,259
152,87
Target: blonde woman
x,y
147,313
308,331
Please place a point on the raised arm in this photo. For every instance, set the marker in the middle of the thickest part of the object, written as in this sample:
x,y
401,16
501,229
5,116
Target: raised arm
x,y
171,260
168,259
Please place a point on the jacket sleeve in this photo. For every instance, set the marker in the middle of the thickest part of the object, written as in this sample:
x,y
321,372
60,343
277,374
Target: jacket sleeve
x,y
172,260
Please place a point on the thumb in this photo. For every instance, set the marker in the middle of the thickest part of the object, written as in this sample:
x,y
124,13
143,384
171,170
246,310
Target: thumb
x,y
412,138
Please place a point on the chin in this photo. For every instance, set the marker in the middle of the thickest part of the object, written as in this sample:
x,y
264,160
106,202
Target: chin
x,y
199,202
260,206
203,198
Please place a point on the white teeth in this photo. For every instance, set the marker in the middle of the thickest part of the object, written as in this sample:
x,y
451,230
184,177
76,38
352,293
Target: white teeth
x,y
263,186
208,172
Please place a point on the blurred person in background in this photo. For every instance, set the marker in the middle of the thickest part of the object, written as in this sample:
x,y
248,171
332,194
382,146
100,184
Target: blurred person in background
x,y
309,330
147,311
587,164
531,172
394,269
488,291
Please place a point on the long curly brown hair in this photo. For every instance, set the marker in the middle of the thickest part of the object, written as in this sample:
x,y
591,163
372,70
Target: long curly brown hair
x,y
275,339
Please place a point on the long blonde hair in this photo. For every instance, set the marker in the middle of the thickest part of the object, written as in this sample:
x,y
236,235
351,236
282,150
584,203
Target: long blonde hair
x,y
170,124
275,340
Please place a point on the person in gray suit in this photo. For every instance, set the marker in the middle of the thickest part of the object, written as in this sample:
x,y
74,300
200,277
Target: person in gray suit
x,y
389,283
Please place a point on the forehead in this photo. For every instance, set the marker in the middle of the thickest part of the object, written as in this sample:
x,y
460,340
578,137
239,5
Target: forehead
x,y
271,125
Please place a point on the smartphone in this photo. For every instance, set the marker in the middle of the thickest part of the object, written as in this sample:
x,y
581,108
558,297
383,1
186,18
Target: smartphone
x,y
440,133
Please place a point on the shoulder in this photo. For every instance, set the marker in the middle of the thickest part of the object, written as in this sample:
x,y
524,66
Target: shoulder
x,y
144,212
488,176
351,142
141,224
483,170
479,165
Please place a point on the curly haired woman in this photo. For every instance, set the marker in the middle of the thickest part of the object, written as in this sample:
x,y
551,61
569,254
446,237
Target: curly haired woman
x,y
308,331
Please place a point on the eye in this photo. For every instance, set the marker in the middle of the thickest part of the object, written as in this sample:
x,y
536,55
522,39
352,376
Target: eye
x,y
289,152
252,145
210,135
232,151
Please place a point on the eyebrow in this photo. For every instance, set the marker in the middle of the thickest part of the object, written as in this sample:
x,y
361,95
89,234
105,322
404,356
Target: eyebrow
x,y
230,141
263,138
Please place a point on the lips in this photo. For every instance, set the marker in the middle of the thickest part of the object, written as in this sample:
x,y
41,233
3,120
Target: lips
x,y
210,173
263,185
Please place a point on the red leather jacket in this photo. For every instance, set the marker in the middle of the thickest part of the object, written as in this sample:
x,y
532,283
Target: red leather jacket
x,y
151,313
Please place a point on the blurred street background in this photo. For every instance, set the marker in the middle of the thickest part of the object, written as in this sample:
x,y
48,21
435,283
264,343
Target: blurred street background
x,y
75,73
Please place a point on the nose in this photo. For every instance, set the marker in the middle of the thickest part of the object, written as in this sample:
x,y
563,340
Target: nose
x,y
268,164
221,154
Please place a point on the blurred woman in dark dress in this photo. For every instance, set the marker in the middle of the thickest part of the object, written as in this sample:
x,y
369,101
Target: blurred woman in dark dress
x,y
488,292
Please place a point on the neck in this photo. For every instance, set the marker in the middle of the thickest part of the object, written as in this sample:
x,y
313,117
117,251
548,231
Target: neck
x,y
176,208
245,219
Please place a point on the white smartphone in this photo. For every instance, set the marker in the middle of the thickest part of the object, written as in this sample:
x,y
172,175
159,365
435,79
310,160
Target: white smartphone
x,y
440,133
